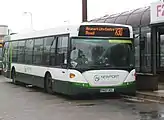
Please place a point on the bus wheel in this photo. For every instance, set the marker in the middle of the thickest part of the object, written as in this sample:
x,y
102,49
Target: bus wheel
x,y
48,84
14,77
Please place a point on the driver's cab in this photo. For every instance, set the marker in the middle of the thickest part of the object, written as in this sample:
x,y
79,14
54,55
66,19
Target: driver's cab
x,y
77,57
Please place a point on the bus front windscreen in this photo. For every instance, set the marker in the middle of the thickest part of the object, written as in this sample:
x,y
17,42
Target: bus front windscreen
x,y
101,53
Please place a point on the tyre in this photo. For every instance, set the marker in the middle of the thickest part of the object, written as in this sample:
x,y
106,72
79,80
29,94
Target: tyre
x,y
13,74
48,84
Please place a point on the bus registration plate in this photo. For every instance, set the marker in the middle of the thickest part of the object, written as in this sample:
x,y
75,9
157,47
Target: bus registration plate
x,y
105,90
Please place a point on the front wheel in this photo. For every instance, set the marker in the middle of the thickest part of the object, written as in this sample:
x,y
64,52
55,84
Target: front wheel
x,y
48,84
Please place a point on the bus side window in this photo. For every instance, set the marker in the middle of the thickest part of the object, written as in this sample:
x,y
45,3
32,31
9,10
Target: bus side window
x,y
38,51
29,51
48,42
14,51
52,61
21,48
62,45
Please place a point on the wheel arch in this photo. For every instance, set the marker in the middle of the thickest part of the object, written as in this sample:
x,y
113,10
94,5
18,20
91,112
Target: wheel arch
x,y
12,69
46,73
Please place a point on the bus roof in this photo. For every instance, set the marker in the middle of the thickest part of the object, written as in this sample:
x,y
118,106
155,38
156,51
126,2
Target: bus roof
x,y
111,24
65,29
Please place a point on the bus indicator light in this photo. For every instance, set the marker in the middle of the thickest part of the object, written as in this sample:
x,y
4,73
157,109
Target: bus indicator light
x,y
71,75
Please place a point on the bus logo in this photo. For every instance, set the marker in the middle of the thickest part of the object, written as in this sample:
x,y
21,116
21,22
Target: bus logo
x,y
105,77
97,78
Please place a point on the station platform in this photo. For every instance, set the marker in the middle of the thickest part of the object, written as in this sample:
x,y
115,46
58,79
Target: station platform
x,y
154,96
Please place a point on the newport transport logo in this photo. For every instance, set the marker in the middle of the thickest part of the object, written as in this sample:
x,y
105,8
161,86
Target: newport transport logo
x,y
97,78
105,77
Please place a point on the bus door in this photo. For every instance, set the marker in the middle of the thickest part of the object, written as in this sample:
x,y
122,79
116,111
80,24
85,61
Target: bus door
x,y
6,60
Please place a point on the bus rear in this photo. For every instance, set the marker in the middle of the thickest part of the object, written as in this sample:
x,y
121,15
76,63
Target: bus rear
x,y
102,60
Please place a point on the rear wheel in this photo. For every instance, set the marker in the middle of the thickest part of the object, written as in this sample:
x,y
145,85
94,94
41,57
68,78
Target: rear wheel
x,y
13,73
48,84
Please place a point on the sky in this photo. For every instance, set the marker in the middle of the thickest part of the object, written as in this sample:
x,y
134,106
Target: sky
x,y
51,13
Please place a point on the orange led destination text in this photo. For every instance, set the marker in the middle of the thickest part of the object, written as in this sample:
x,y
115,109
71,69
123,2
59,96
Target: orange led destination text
x,y
91,31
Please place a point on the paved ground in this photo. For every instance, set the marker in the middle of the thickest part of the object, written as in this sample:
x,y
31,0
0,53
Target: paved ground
x,y
20,103
156,96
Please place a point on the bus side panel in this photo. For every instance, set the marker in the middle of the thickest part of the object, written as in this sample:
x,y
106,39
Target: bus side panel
x,y
30,79
24,78
38,81
60,77
30,74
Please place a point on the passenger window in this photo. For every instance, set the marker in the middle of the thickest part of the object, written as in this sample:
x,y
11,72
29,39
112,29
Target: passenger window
x,y
53,53
14,51
21,48
38,51
48,41
29,51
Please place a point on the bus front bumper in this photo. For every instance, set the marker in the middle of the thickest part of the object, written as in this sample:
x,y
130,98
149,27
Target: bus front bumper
x,y
71,88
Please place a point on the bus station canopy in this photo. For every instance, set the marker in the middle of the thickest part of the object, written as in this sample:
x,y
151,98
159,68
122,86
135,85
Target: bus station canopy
x,y
137,17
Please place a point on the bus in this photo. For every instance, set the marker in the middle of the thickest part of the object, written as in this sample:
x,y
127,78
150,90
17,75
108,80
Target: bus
x,y
88,58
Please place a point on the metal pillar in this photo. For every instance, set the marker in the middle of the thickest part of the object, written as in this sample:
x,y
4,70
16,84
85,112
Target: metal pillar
x,y
84,10
140,38
154,49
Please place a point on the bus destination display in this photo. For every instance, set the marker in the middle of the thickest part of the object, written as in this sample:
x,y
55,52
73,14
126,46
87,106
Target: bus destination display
x,y
104,31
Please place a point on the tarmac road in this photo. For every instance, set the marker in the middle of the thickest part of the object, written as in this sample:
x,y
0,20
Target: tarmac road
x,y
21,103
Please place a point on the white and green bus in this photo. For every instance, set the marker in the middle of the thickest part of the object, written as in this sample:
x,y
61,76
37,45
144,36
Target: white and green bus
x,y
76,59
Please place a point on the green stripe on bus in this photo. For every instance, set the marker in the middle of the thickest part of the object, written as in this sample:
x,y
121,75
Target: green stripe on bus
x,y
87,85
120,41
